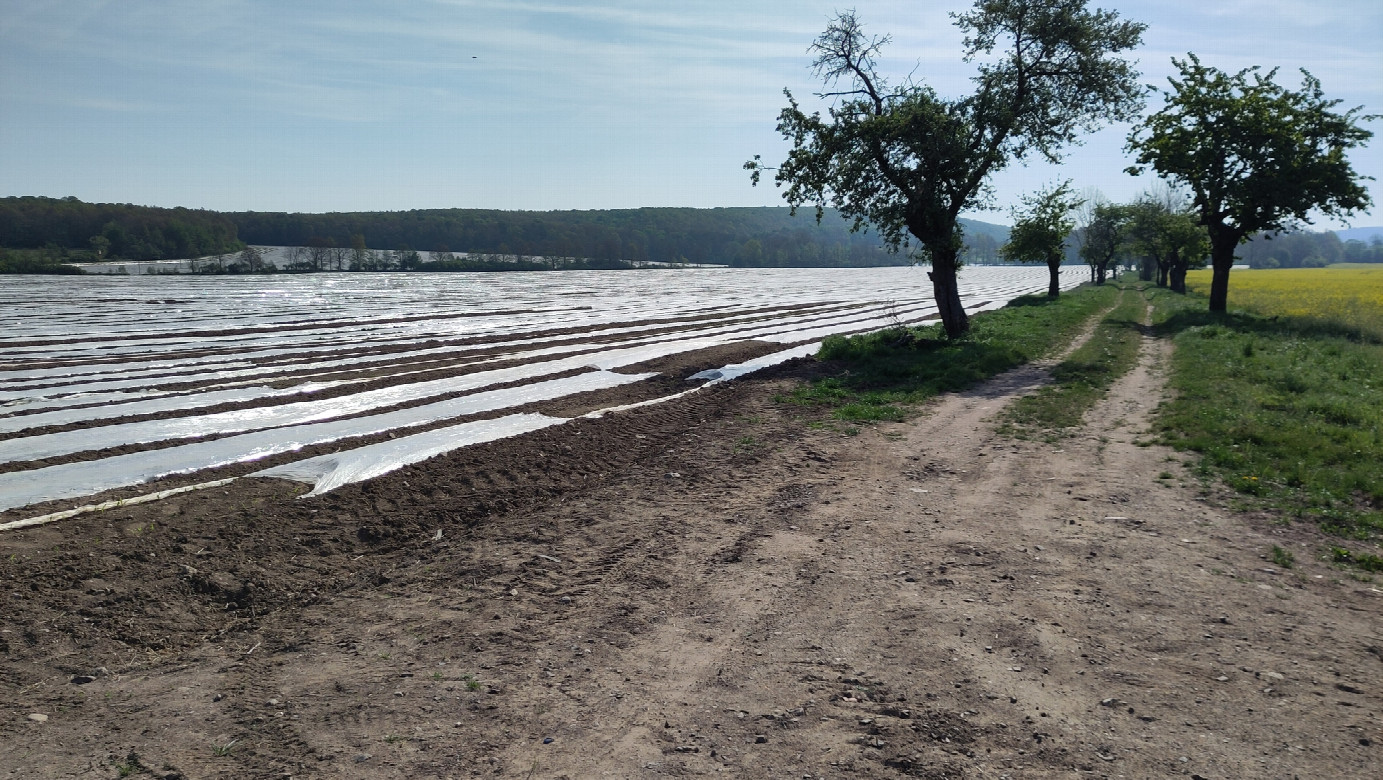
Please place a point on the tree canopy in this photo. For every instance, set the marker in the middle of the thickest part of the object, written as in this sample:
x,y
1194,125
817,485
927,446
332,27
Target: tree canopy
x,y
907,162
1163,229
113,230
1255,155
1040,228
1103,236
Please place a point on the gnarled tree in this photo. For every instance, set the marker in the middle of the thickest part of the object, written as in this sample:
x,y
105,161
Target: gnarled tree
x,y
909,162
1255,155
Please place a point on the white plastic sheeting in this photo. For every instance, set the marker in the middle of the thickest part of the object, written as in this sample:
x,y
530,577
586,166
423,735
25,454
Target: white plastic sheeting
x,y
328,472
243,363
737,370
155,405
87,393
301,412
27,402
84,478
114,340
285,415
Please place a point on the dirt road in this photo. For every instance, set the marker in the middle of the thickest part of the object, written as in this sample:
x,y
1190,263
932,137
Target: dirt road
x,y
706,587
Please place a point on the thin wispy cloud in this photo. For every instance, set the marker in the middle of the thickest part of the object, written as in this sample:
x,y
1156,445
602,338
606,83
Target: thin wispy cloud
x,y
483,103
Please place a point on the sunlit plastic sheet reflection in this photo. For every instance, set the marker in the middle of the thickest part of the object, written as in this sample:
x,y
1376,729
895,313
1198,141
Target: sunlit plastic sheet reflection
x,y
328,472
71,480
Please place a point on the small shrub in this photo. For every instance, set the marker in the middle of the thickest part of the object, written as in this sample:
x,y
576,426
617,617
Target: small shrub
x,y
1283,558
1365,561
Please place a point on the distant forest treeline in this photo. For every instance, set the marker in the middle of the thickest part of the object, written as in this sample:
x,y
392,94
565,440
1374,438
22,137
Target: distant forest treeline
x,y
71,229
1308,250
734,236
68,229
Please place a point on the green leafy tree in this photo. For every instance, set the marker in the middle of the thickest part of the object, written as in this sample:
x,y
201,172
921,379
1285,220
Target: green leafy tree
x,y
1040,229
1255,155
909,162
1141,240
1185,246
1103,237
1163,229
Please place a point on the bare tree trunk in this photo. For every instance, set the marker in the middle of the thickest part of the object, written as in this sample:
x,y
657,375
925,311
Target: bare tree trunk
x,y
1179,280
946,290
1221,260
1054,280
1177,274
1223,242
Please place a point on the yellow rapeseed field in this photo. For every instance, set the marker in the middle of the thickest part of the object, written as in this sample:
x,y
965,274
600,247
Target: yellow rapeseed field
x,y
1351,295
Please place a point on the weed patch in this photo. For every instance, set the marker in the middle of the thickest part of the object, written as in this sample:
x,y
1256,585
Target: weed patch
x,y
1365,561
1283,558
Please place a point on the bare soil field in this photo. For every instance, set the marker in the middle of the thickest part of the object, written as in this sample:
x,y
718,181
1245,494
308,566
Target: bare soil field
x,y
709,586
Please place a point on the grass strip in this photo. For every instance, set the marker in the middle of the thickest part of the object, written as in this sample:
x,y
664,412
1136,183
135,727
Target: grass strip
x,y
877,376
1085,376
1286,410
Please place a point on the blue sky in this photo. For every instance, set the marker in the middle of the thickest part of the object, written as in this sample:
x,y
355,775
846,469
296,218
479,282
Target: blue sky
x,y
370,105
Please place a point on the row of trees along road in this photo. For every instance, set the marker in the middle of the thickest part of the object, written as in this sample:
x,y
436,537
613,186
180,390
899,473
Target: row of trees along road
x,y
1160,230
1254,155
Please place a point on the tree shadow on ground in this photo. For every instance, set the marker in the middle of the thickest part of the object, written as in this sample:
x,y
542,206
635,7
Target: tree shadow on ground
x,y
1274,326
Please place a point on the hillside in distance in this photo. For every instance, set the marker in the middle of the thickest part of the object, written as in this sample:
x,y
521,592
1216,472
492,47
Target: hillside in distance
x,y
732,236
67,229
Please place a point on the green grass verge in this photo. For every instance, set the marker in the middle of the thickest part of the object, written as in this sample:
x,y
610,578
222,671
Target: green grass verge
x,y
1286,410
1085,376
877,376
